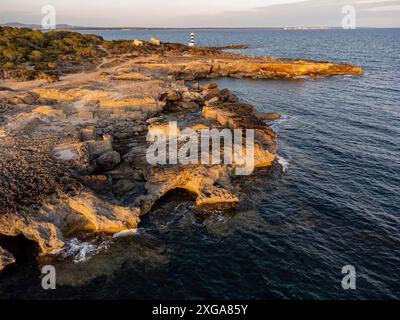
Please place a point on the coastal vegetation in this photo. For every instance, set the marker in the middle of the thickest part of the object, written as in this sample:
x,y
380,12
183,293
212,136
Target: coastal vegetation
x,y
26,54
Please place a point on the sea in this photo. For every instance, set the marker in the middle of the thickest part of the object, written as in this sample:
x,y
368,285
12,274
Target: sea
x,y
328,210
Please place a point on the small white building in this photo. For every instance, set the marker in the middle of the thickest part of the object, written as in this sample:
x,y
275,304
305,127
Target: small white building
x,y
191,42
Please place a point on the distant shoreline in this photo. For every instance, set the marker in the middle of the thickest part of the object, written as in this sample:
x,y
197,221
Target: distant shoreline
x,y
80,28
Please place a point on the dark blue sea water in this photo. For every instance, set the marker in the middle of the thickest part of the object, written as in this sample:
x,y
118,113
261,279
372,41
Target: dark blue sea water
x,y
336,204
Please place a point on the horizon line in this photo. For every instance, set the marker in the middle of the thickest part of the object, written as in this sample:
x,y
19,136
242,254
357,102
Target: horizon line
x,y
77,27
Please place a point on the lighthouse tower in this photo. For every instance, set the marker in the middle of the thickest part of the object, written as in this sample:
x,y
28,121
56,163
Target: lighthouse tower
x,y
191,42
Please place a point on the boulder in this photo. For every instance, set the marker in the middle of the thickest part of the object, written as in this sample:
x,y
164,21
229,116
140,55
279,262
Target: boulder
x,y
268,116
172,96
211,101
188,106
108,160
155,41
209,86
195,86
223,95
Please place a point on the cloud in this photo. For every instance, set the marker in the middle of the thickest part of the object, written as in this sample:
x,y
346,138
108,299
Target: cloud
x,y
313,13
383,8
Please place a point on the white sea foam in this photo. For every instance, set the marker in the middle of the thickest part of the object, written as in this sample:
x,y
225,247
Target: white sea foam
x,y
283,162
81,251
276,124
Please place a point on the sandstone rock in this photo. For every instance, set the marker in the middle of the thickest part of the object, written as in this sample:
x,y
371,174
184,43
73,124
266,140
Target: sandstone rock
x,y
137,42
190,96
50,112
85,115
29,98
195,86
262,158
97,148
97,183
268,116
196,179
209,86
155,41
188,106
101,216
131,76
6,258
222,95
214,195
173,96
47,235
212,101
232,98
153,120
165,128
108,160
24,123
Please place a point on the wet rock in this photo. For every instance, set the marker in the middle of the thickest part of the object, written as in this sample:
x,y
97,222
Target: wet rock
x,y
268,116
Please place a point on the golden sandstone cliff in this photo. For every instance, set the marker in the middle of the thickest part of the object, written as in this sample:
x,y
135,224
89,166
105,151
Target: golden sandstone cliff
x,y
73,152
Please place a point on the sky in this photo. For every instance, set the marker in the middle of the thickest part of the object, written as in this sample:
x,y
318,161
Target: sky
x,y
204,13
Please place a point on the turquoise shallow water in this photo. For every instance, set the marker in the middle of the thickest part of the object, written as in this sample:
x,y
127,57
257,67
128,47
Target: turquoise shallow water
x,y
336,204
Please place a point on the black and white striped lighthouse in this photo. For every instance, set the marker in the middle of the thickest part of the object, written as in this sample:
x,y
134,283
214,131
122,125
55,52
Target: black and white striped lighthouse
x,y
191,42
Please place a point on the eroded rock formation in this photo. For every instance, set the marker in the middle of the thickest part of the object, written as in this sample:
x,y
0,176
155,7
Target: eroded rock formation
x,y
6,258
73,152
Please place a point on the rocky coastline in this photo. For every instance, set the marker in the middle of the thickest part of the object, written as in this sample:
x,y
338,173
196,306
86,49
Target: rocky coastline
x,y
73,144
